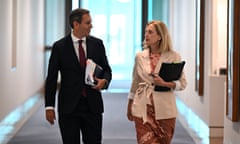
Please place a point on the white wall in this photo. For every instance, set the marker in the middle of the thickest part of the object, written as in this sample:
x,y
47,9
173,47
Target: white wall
x,y
219,26
182,25
22,31
210,106
26,27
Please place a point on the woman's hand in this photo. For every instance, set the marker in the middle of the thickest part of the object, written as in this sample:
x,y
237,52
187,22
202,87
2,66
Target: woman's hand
x,y
129,110
160,82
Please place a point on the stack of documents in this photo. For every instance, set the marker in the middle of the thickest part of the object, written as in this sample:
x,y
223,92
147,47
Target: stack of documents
x,y
92,70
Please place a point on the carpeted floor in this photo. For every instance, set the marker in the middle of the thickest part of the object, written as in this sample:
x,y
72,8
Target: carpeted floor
x,y
116,128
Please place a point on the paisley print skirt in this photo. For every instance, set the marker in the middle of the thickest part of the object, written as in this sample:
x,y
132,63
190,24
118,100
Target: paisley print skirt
x,y
154,131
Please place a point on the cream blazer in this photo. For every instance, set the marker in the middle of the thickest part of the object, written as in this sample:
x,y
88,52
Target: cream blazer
x,y
142,87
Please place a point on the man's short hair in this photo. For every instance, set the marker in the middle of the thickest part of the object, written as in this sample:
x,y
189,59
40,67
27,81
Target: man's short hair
x,y
76,15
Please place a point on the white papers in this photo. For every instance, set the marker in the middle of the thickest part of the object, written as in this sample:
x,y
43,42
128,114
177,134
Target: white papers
x,y
92,70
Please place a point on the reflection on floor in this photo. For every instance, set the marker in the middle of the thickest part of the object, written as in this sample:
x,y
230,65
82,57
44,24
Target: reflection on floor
x,y
195,126
14,120
191,122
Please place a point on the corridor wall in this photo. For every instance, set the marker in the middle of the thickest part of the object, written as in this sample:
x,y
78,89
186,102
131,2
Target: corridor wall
x,y
21,52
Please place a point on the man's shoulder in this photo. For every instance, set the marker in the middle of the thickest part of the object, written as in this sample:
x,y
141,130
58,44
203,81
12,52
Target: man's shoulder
x,y
62,42
93,38
63,39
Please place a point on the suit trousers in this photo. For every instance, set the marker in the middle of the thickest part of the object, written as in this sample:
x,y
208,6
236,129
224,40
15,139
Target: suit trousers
x,y
81,124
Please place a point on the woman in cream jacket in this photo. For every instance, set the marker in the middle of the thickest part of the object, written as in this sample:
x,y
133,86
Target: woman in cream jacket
x,y
154,112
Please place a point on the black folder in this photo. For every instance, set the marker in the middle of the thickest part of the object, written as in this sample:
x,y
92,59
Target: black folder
x,y
170,72
98,72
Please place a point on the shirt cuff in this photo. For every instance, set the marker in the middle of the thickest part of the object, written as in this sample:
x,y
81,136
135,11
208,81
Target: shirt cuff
x,y
49,108
131,95
178,85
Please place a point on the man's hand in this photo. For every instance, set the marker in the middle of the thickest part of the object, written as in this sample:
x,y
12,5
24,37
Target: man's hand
x,y
100,83
50,116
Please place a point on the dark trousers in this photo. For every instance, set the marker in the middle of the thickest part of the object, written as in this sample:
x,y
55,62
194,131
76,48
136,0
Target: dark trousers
x,y
81,122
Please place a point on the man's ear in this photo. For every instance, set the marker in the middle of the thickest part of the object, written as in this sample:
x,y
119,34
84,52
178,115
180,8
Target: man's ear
x,y
75,24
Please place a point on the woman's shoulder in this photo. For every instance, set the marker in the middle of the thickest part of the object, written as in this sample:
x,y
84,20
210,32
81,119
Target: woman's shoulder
x,y
142,53
172,54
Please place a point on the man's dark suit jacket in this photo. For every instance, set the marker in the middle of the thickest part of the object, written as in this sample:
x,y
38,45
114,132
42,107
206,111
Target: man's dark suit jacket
x,y
63,59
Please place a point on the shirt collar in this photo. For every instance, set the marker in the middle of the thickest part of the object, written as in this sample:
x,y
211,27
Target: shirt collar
x,y
75,39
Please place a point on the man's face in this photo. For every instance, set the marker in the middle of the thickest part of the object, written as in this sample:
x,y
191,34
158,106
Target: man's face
x,y
83,29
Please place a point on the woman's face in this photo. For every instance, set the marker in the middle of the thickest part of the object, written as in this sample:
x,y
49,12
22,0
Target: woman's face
x,y
151,36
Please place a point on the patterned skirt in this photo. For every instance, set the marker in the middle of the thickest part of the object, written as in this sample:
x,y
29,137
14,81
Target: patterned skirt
x,y
154,131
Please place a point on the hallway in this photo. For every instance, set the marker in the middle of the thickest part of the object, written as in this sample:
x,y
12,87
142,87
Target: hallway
x,y
116,128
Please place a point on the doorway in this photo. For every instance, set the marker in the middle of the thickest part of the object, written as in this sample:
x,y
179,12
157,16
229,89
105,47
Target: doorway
x,y
118,24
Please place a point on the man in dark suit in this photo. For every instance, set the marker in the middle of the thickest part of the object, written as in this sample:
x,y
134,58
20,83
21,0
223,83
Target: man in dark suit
x,y
80,106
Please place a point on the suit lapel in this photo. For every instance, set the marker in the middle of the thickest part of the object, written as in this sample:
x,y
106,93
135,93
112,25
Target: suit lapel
x,y
146,61
164,57
73,54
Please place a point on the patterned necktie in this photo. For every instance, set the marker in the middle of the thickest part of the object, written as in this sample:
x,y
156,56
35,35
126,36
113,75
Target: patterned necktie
x,y
82,59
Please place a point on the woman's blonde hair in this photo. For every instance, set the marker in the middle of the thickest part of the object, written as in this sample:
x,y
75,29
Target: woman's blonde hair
x,y
165,44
